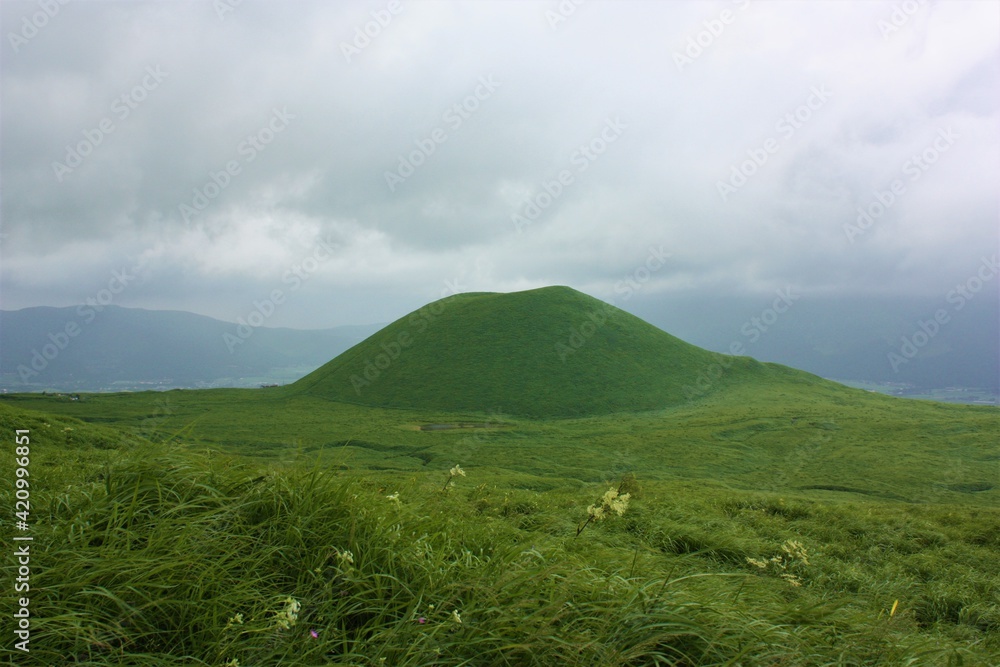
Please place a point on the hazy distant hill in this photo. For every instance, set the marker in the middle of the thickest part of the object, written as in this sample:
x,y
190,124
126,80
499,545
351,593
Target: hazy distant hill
x,y
80,349
847,338
549,352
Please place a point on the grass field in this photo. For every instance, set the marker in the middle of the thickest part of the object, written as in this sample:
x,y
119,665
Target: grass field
x,y
264,527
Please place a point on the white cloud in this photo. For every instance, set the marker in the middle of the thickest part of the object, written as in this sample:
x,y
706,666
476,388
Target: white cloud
x,y
657,184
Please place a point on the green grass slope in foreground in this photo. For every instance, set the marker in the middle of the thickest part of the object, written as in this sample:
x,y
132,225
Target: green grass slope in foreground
x,y
549,352
159,554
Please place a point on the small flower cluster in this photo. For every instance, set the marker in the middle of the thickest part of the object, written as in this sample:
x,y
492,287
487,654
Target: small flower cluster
x,y
235,620
452,474
794,553
613,501
288,616
344,564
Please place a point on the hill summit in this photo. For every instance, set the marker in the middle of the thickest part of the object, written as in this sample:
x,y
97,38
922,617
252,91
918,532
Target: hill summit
x,y
548,352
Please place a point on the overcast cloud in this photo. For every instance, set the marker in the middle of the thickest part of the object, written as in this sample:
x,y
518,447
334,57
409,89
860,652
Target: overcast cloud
x,y
232,151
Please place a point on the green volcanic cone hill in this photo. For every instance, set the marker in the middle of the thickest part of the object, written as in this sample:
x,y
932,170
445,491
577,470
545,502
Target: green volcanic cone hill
x,y
549,352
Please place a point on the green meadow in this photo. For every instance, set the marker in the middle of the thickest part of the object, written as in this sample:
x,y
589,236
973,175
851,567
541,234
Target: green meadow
x,y
762,517
159,517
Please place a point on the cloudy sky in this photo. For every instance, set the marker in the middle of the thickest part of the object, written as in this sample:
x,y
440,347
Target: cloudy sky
x,y
359,159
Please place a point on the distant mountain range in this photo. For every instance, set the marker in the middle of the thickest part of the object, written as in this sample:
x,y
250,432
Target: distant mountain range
x,y
117,349
878,339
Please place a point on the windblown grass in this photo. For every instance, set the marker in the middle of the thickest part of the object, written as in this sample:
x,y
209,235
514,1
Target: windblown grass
x,y
162,554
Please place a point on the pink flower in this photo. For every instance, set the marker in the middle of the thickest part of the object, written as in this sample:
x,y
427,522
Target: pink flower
x,y
421,620
315,635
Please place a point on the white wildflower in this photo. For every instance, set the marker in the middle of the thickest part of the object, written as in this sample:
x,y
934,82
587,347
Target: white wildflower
x,y
617,503
288,616
796,551
452,474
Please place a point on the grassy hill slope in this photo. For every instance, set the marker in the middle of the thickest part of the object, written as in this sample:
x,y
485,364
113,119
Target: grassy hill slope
x,y
549,352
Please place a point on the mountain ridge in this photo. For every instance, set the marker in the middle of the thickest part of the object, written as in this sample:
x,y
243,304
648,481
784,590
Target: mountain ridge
x,y
79,348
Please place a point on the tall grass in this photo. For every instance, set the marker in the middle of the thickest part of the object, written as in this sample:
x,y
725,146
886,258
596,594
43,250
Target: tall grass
x,y
168,554
172,557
